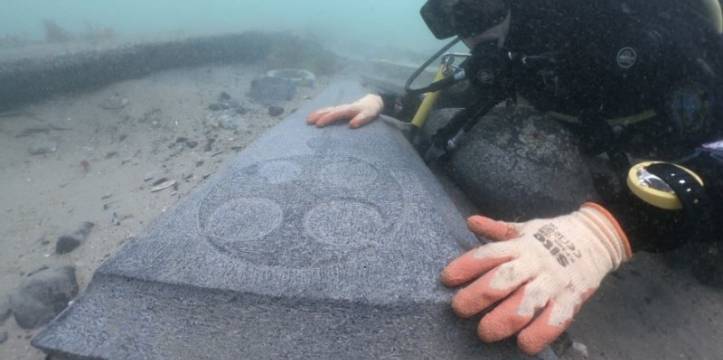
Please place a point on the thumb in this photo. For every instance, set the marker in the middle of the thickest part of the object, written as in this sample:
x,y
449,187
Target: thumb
x,y
492,229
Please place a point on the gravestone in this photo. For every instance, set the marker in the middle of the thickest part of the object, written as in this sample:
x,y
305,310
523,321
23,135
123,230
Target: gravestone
x,y
312,244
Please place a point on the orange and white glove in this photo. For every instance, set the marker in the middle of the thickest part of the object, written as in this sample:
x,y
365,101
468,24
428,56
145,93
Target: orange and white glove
x,y
359,113
542,270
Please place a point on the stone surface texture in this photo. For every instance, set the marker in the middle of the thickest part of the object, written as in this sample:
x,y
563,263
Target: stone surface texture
x,y
312,244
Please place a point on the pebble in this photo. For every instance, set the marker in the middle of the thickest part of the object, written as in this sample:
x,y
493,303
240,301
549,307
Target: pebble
x,y
43,296
580,350
185,141
68,243
163,186
149,176
226,104
276,111
160,181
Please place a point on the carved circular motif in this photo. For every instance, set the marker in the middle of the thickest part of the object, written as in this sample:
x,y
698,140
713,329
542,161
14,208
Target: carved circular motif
x,y
243,220
302,211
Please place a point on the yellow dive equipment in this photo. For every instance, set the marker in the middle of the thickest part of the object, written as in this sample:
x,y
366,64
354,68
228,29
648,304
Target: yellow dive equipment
x,y
652,189
430,99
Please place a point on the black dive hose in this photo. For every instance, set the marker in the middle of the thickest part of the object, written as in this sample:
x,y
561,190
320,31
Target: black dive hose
x,y
437,85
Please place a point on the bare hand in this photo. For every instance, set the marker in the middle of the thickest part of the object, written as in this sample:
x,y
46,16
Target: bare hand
x,y
359,113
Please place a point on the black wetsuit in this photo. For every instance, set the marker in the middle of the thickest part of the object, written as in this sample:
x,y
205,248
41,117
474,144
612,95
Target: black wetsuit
x,y
673,50
595,77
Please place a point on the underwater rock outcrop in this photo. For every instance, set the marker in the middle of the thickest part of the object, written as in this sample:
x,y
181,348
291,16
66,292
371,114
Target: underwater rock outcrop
x,y
312,244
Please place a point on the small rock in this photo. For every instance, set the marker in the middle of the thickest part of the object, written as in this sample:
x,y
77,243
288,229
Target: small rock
x,y
226,103
580,350
43,148
217,107
114,103
3,337
149,176
85,166
224,96
164,186
160,181
68,243
276,111
4,308
111,154
185,141
43,296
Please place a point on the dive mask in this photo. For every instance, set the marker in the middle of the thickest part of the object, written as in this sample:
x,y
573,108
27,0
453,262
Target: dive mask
x,y
463,18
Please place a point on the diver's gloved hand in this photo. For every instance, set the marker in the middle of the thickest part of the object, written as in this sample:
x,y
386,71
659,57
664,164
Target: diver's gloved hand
x,y
359,113
543,269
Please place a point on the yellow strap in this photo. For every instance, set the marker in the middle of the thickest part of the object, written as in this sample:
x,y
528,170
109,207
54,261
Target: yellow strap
x,y
428,103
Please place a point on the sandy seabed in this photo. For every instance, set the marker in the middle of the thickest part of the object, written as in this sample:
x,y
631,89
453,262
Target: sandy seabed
x,y
98,157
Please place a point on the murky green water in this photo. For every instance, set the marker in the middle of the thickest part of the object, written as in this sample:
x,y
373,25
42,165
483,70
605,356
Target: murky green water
x,y
382,22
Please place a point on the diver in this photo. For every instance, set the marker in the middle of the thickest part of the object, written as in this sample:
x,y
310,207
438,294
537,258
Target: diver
x,y
614,105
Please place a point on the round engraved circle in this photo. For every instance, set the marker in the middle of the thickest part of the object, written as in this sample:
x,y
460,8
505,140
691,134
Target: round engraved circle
x,y
344,223
243,220
280,171
349,174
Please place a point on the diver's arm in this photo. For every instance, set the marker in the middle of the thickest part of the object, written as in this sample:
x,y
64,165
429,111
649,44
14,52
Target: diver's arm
x,y
366,110
650,227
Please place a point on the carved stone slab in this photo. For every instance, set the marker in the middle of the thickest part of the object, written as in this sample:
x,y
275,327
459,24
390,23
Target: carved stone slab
x,y
312,244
